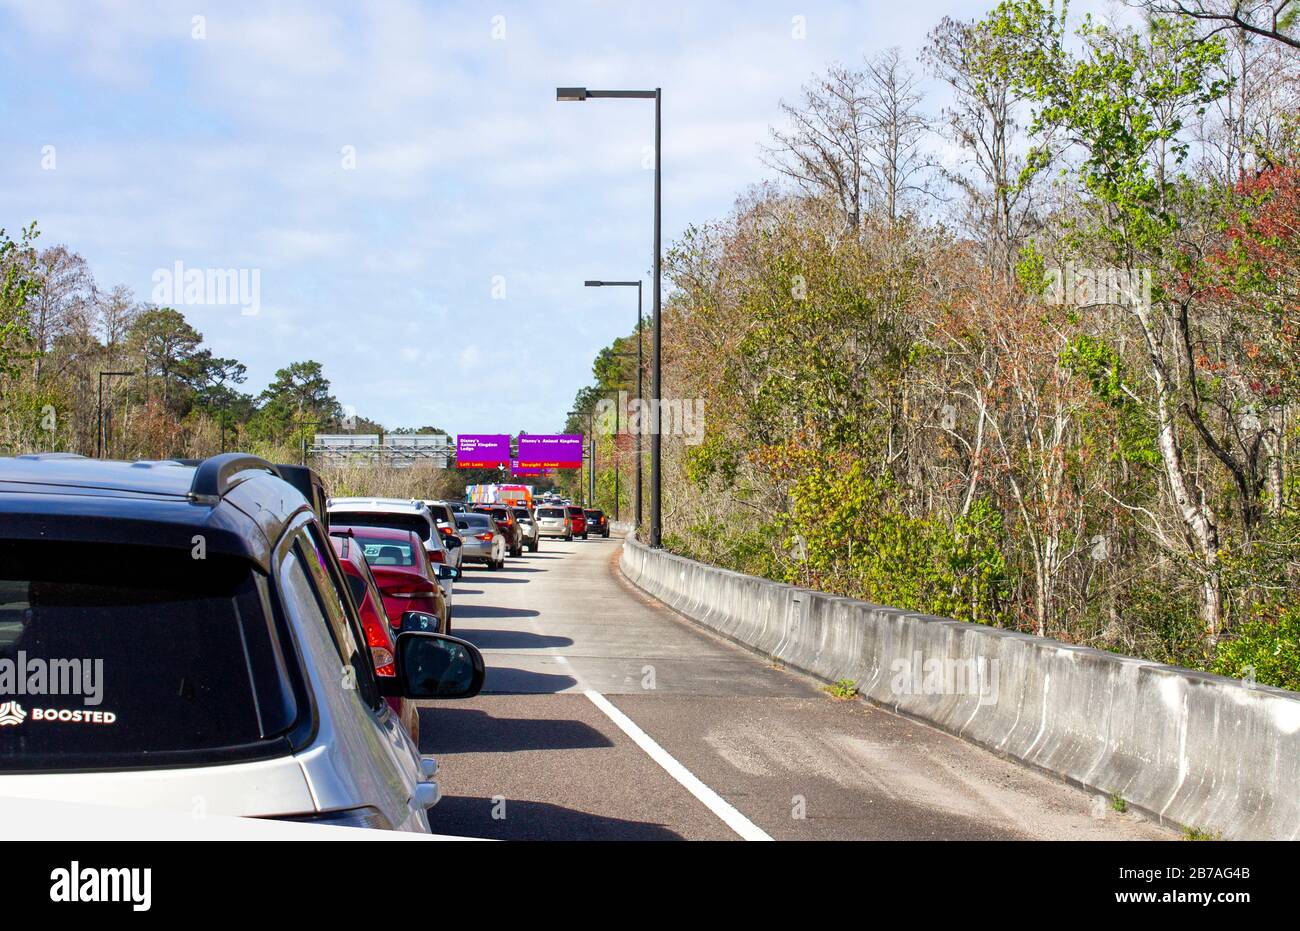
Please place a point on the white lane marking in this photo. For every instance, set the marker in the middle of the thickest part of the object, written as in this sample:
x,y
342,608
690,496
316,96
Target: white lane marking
x,y
712,800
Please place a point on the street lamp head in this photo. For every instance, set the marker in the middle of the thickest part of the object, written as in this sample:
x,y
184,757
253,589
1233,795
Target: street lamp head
x,y
593,284
570,93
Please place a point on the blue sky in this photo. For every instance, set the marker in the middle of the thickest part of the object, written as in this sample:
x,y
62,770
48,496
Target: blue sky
x,y
227,151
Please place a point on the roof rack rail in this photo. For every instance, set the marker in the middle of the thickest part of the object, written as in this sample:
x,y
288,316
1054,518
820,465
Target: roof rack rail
x,y
44,456
216,475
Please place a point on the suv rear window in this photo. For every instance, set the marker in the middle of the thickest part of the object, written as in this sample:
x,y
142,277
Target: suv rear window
x,y
164,659
414,522
551,512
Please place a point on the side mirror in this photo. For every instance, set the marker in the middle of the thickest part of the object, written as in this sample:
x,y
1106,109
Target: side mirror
x,y
446,573
452,542
438,666
420,621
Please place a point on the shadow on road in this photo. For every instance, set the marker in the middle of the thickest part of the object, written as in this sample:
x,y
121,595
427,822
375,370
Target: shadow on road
x,y
490,611
505,680
509,639
463,816
481,579
469,730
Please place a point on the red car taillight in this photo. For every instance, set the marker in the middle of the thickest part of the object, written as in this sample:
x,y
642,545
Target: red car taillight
x,y
438,556
483,536
385,664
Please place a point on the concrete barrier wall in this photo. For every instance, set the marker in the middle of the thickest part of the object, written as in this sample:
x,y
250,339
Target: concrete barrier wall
x,y
1192,749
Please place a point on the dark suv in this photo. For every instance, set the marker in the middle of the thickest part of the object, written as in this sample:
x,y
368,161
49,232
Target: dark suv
x,y
222,653
597,522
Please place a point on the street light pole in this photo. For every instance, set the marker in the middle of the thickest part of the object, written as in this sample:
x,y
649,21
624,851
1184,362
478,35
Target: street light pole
x,y
582,93
99,413
591,458
640,392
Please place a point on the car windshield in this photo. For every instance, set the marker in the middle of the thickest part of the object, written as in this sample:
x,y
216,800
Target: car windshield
x,y
131,656
389,520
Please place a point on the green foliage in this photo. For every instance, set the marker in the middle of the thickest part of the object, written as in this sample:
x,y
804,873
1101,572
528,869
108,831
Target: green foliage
x,y
297,402
1096,360
1124,101
844,689
713,459
855,540
18,284
1265,649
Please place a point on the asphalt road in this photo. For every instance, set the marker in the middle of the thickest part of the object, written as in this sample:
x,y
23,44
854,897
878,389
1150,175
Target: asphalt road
x,y
607,716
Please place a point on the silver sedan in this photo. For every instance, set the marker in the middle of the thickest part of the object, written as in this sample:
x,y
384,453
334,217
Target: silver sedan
x,y
483,540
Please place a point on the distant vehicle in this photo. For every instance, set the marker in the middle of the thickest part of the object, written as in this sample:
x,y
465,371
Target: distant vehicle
x,y
221,674
597,522
500,494
505,517
578,520
554,522
379,633
444,518
528,527
484,541
406,578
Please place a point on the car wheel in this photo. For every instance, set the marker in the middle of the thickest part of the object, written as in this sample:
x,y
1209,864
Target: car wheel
x,y
534,546
584,535
492,565
569,538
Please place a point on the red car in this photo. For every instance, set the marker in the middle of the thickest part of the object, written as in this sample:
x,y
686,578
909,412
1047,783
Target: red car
x,y
406,578
379,633
578,521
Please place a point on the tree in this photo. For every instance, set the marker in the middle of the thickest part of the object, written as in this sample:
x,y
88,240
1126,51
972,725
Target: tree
x,y
1273,19
64,302
1124,101
298,399
999,192
167,345
825,150
897,163
19,284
